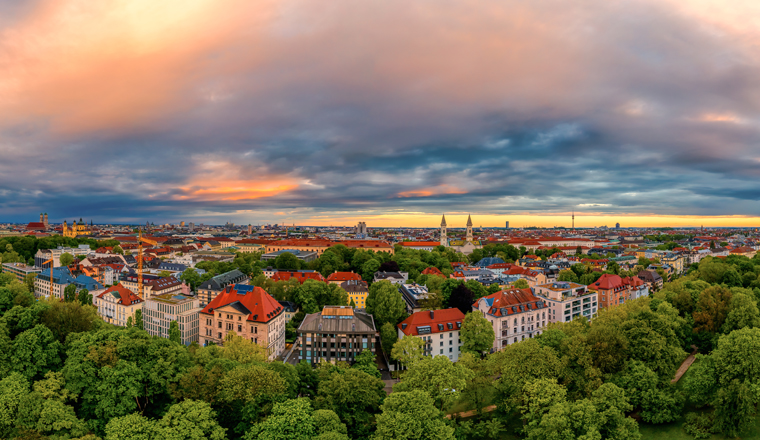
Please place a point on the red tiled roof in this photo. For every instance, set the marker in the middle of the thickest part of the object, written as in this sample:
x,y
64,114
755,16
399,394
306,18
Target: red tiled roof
x,y
261,305
503,301
424,318
432,270
419,243
35,226
126,297
300,276
608,281
343,276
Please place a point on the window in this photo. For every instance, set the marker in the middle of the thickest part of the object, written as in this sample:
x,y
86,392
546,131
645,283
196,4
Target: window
x,y
220,324
240,328
441,343
441,351
451,350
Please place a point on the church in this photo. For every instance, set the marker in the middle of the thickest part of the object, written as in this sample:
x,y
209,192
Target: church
x,y
76,229
465,246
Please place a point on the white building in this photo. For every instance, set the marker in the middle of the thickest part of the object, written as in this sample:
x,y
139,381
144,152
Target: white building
x,y
567,301
43,255
160,310
439,329
116,305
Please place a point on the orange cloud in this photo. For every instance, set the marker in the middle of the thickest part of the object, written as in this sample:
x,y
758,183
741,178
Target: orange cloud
x,y
427,192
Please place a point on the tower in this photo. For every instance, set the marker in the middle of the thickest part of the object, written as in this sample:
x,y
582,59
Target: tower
x,y
46,220
573,220
444,240
42,218
469,229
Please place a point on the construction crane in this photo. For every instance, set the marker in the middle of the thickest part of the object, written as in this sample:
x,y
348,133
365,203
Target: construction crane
x,y
51,273
140,241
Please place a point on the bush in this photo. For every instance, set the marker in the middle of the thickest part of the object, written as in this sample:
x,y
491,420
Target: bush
x,y
699,426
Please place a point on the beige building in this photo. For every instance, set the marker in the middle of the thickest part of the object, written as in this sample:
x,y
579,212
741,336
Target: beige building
x,y
160,310
117,304
567,301
248,311
515,314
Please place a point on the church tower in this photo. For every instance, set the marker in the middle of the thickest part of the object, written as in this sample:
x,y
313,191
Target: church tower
x,y
469,229
444,240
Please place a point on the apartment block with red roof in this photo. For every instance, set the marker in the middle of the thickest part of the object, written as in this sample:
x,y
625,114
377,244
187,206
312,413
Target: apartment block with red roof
x,y
248,311
339,277
439,329
614,290
117,304
515,314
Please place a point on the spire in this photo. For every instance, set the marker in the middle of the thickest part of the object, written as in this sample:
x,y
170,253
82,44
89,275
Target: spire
x,y
469,220
443,220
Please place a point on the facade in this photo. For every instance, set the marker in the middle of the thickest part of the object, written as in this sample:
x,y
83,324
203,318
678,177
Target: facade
x,y
290,309
160,310
248,311
208,290
320,245
61,278
76,229
439,329
420,245
567,301
337,333
117,304
515,314
357,291
43,255
675,261
614,290
153,285
652,279
20,270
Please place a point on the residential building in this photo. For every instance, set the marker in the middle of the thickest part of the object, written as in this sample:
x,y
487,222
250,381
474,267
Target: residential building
x,y
439,329
153,285
117,304
614,290
413,294
337,333
305,256
160,310
43,255
420,245
61,278
357,291
301,276
674,260
339,277
393,277
248,311
432,270
515,314
567,301
208,290
652,279
290,309
20,270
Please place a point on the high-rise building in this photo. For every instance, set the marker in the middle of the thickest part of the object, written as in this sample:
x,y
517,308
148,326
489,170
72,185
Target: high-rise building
x,y
617,225
507,225
250,229
361,228
192,226
182,224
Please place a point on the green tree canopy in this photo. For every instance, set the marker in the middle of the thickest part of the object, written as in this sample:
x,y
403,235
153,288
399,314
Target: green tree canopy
x,y
477,333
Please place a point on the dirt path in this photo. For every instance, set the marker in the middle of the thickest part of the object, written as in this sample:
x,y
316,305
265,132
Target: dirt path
x,y
685,365
471,412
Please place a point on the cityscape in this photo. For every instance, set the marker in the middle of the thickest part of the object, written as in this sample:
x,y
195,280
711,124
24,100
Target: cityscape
x,y
451,220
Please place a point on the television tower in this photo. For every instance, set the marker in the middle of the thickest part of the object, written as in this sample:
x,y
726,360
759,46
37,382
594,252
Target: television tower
x,y
573,220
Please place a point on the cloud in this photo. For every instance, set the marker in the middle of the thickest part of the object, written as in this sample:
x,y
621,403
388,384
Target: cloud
x,y
129,109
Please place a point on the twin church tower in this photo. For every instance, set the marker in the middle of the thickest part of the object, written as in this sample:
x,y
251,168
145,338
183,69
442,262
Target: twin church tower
x,y
468,234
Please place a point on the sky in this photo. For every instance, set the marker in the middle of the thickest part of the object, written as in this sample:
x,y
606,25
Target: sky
x,y
385,111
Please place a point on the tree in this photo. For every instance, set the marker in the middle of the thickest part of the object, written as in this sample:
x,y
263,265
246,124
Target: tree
x,y
174,333
164,274
440,378
521,284
190,277
35,352
66,259
385,303
411,415
138,319
291,419
70,293
520,364
118,250
131,427
354,396
287,261
190,420
461,298
742,313
85,297
369,268
408,350
242,350
477,333
63,318
29,281
13,388
365,361
567,275
388,337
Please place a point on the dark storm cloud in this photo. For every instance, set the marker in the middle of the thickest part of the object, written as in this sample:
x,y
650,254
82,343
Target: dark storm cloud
x,y
499,107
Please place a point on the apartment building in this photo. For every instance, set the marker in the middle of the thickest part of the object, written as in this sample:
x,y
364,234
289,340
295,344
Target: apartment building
x,y
160,310
566,301
117,304
208,290
438,329
515,314
613,290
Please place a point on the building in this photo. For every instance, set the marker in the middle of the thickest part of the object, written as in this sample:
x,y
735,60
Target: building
x,y
614,290
337,333
413,294
675,261
340,277
61,278
305,256
514,314
506,225
208,290
320,245
357,291
76,229
361,228
20,270
432,270
152,284
420,245
439,329
117,304
301,275
44,255
290,309
651,278
465,246
567,301
248,311
393,277
160,310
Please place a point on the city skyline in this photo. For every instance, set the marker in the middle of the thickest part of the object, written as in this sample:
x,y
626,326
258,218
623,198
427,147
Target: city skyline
x,y
385,112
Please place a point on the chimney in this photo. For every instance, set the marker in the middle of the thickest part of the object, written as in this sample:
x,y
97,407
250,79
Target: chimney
x,y
432,314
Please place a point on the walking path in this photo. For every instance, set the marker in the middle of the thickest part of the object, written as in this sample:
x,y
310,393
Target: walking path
x,y
685,365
